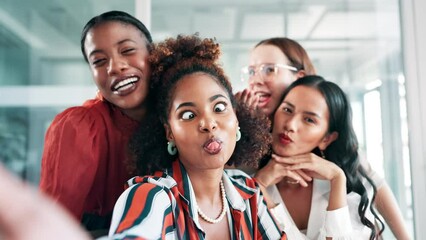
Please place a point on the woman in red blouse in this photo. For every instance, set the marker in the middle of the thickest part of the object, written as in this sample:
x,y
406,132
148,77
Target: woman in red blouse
x,y
85,156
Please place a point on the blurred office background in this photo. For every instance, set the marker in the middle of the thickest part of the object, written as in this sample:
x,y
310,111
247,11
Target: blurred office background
x,y
372,48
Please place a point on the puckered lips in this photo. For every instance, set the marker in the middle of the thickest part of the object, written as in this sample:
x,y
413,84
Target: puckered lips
x,y
284,139
125,85
213,146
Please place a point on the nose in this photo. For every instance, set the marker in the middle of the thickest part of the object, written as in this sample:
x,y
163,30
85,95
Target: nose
x,y
290,124
208,125
116,65
255,78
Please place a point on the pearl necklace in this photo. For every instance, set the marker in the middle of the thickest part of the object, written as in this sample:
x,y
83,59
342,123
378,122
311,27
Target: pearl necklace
x,y
222,214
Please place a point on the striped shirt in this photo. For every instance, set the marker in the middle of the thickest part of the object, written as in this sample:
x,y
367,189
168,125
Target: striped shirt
x,y
163,206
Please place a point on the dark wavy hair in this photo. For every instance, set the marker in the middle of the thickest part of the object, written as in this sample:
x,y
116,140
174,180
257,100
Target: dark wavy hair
x,y
113,16
171,60
344,150
295,53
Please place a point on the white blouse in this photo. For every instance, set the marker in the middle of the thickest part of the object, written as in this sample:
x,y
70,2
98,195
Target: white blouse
x,y
340,224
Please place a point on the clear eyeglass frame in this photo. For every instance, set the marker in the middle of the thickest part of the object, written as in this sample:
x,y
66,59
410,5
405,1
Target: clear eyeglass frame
x,y
267,71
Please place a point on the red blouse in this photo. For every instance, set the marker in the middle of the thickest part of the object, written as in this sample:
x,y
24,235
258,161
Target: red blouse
x,y
85,157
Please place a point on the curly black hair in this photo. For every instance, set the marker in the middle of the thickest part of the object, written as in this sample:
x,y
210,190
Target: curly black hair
x,y
171,60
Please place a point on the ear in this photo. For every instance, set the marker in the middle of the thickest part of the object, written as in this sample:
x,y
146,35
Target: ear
x,y
327,140
169,134
300,74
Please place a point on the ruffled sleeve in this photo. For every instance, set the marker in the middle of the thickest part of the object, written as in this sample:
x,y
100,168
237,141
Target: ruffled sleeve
x,y
75,143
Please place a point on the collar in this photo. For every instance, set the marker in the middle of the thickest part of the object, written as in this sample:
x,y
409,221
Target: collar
x,y
238,187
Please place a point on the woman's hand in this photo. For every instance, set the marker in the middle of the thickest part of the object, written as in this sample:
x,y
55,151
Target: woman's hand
x,y
276,170
248,98
312,165
317,167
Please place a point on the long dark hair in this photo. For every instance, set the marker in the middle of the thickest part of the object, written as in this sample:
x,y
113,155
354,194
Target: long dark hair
x,y
113,16
171,60
344,150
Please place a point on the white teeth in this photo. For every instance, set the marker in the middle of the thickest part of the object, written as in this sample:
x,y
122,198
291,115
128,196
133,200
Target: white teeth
x,y
125,82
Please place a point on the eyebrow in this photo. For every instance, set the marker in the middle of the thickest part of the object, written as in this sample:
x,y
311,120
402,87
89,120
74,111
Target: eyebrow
x,y
185,104
118,43
305,112
212,98
191,104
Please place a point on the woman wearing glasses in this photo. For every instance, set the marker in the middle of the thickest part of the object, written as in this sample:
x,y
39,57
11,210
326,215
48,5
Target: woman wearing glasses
x,y
274,64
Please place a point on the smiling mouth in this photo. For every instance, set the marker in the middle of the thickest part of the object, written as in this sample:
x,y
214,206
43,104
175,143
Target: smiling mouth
x,y
125,84
264,99
213,146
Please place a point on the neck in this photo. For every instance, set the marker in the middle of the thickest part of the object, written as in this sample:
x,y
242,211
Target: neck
x,y
135,114
206,185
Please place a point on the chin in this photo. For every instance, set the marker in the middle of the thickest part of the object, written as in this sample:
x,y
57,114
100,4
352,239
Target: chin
x,y
282,152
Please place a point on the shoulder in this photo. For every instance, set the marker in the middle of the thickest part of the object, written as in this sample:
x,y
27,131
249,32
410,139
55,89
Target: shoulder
x,y
238,175
90,113
161,182
242,180
146,199
144,192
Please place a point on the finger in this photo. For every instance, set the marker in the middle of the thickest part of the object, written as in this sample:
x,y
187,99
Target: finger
x,y
242,97
302,165
294,175
287,160
254,100
237,95
246,96
315,170
305,176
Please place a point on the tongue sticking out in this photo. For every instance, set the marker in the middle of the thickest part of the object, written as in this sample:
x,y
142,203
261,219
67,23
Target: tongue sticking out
x,y
213,147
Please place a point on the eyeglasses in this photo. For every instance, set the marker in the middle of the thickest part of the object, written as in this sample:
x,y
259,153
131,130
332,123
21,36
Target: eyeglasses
x,y
266,71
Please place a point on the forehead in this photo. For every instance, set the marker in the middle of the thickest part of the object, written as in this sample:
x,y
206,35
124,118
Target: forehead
x,y
307,99
111,32
117,25
196,87
267,54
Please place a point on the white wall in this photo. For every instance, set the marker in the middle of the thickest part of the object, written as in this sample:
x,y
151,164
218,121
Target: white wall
x,y
414,51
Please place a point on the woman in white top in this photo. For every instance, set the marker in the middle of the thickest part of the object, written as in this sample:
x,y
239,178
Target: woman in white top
x,y
314,177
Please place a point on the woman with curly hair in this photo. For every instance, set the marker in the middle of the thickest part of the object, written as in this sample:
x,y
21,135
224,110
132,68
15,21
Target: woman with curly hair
x,y
312,123
182,151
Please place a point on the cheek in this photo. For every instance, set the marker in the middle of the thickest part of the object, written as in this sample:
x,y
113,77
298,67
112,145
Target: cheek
x,y
277,88
288,78
97,77
231,129
279,119
231,125
312,137
141,61
180,133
